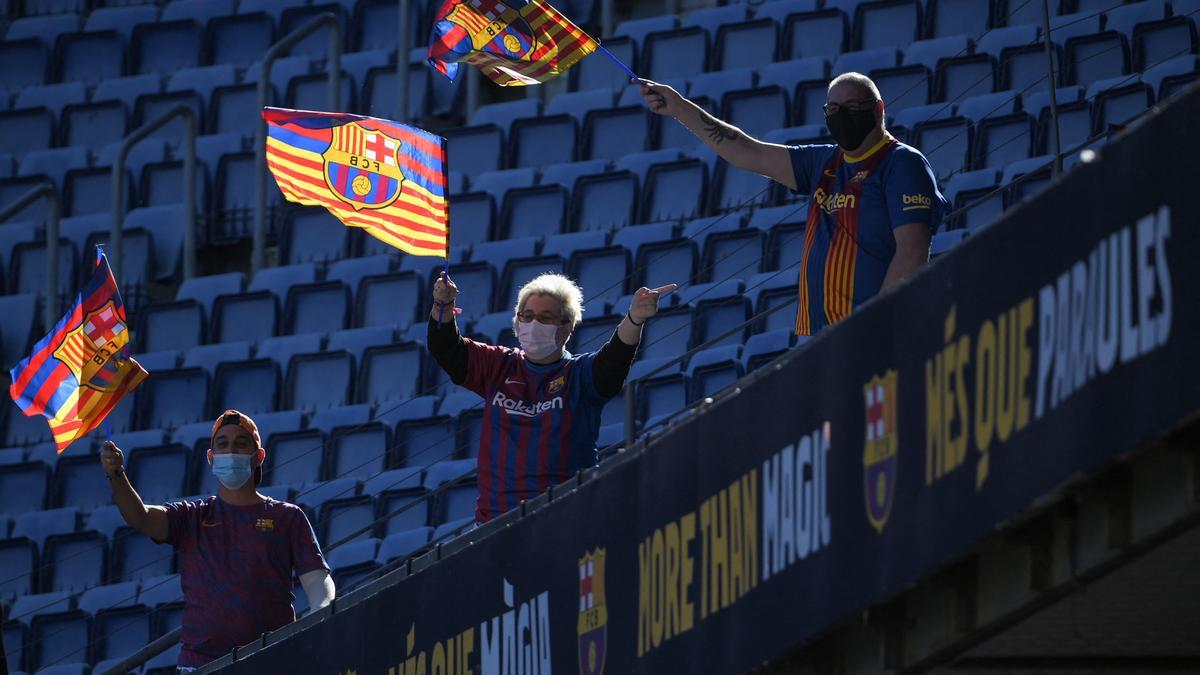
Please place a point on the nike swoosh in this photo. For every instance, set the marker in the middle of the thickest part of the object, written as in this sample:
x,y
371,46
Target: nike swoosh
x,y
830,173
512,381
204,524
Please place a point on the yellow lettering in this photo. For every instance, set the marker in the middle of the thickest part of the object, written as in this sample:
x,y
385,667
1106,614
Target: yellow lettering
x,y
466,647
1006,375
734,537
671,582
985,378
645,589
687,611
656,607
750,527
706,509
1025,359
960,398
437,664
719,562
934,443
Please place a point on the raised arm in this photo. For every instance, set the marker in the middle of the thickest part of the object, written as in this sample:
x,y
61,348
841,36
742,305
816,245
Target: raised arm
x,y
731,143
445,344
148,519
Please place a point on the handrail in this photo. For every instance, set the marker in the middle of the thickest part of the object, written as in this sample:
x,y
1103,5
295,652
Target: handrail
x,y
35,193
1052,83
156,647
116,240
334,63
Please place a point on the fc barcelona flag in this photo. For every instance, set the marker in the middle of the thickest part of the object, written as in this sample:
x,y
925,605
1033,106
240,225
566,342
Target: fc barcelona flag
x,y
80,371
387,178
513,44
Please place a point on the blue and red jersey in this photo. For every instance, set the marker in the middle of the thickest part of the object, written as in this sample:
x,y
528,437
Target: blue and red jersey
x,y
235,567
540,423
856,203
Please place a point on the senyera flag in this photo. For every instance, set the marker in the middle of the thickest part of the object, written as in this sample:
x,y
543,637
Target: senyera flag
x,y
387,178
79,372
514,45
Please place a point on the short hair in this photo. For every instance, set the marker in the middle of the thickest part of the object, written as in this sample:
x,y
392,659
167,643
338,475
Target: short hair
x,y
559,287
859,80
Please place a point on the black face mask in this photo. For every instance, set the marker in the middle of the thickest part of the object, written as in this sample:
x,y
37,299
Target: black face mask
x,y
850,127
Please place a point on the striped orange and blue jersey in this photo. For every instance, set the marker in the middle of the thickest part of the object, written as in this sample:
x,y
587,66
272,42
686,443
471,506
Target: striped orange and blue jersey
x,y
540,423
856,202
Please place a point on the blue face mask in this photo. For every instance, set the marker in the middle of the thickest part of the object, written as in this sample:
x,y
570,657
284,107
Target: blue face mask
x,y
232,469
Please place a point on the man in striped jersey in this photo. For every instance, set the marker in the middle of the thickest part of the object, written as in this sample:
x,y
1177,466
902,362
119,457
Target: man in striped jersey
x,y
541,403
874,202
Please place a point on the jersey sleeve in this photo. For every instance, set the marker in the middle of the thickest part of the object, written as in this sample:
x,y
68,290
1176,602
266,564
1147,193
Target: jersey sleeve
x,y
180,521
807,161
306,553
587,384
910,191
483,364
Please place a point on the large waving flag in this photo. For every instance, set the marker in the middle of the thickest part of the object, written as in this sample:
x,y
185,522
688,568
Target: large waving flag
x,y
78,373
387,178
514,45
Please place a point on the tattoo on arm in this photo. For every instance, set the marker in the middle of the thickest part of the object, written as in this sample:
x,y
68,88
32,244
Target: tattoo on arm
x,y
717,130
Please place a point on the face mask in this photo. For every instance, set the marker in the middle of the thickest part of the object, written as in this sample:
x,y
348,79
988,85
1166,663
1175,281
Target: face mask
x,y
232,469
539,340
850,127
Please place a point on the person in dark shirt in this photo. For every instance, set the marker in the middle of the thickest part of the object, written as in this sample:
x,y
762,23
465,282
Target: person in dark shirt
x,y
542,404
237,550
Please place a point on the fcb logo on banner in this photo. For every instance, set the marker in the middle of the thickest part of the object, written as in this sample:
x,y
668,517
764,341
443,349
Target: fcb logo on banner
x,y
495,27
362,167
89,349
880,452
593,613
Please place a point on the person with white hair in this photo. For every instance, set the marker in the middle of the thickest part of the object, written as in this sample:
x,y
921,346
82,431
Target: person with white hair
x,y
874,202
541,404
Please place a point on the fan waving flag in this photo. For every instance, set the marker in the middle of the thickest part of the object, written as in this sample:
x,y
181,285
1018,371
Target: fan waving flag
x,y
387,178
80,371
513,44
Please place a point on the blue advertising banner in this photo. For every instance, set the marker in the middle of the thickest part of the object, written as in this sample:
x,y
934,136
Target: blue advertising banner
x,y
1043,348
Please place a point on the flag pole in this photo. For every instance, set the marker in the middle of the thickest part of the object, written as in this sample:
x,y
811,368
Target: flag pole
x,y
604,50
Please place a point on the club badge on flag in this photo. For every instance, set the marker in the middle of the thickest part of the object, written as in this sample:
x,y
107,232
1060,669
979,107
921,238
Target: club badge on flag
x,y
386,178
79,372
513,44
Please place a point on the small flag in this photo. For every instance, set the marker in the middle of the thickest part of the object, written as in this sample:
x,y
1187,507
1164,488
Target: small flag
x,y
514,45
80,371
387,178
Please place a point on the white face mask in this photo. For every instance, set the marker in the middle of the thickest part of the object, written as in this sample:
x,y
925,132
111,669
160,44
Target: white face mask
x,y
539,340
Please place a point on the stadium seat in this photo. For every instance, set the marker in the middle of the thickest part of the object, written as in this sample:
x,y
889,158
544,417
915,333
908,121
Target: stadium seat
x,y
38,525
662,396
59,639
173,325
166,46
1090,58
983,213
76,483
1165,77
36,57
886,23
674,191
250,386
537,141
316,381
28,607
943,242
73,562
480,277
903,87
1118,101
1001,140
817,33
376,305
1024,68
54,97
744,44
354,563
678,53
668,335
964,76
119,632
473,215
26,129
24,487
538,212
129,441
341,517
316,307
638,29
53,163
758,111
1074,127
90,57
713,369
45,28
605,201
245,316
26,430
19,558
294,458
173,397
498,183
614,133
159,590
375,24
765,347
352,271
1034,174
359,451
240,39
945,143
474,150
120,19
1157,42
315,495
402,544
769,291
209,357
714,316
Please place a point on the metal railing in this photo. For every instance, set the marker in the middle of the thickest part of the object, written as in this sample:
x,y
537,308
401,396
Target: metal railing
x,y
402,62
277,50
116,241
50,194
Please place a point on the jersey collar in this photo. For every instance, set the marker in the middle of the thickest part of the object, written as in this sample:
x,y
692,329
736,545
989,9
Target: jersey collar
x,y
874,149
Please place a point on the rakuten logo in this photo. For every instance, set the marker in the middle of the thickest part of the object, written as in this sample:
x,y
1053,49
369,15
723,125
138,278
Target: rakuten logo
x,y
524,408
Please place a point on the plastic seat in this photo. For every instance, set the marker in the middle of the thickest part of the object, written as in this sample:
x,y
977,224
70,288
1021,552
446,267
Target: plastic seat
x,y
45,28
294,458
174,325
964,76
239,39
391,373
119,632
76,483
26,129
638,29
1024,68
1157,42
166,46
765,347
605,201
316,381
668,335
53,162
999,141
903,87
498,183
19,558
477,149
131,441
886,23
676,53
90,57
375,24
1119,104
312,308
473,215
315,495
1074,126
376,306
543,140
1092,58
675,191
249,386
209,357
24,487
945,143
745,44
31,52
56,639
614,133
28,607
352,271
424,440
235,203
481,278
161,472
74,562
1166,76
818,33
173,397
340,518
54,97
403,544
135,556
360,451
716,316
38,525
245,316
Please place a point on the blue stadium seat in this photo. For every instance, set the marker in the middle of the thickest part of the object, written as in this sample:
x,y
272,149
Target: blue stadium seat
x,y
76,483
1091,58
45,28
664,262
245,316
519,271
58,640
495,328
662,395
481,278
119,632
942,242
316,381
379,85
1074,126
20,312
537,212
391,372
376,305
129,441
536,141
715,85
675,191
38,525
769,290
239,39
945,143
865,61
779,10
231,110
314,46
715,316
1157,42
668,335
1024,68
886,23
502,115
172,325
203,80
903,87
945,18
638,29
354,564
733,254
399,493
424,440
173,397
457,503
28,607
234,203
11,234
745,44
614,133
1035,175
713,369
12,189
403,544
757,112
89,191
250,386
8,457
967,181
317,307
605,201
341,517
311,92
375,24
818,33
765,347
1118,102
498,183
27,272
90,57
579,104
159,590
315,495
294,458
357,340
26,129
209,357
480,149
19,558
54,97
1004,139
1166,76
566,245
447,471
74,562
161,472
678,53
120,19
604,271
35,56
473,215
964,76
53,162
352,271
359,451
166,46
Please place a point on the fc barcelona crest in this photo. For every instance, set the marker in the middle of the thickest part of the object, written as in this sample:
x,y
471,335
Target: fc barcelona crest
x,y
593,613
495,28
362,167
556,385
880,453
96,344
